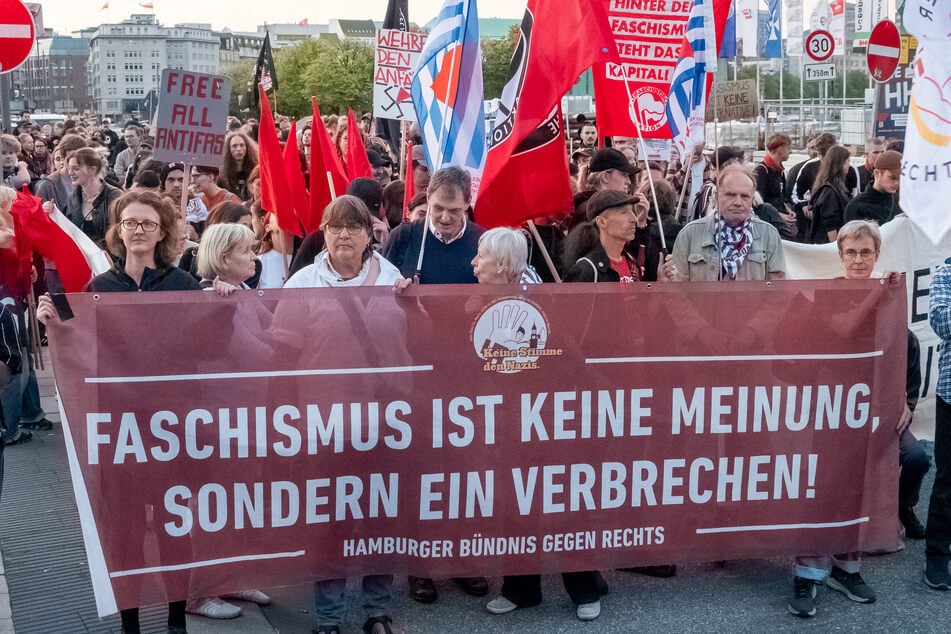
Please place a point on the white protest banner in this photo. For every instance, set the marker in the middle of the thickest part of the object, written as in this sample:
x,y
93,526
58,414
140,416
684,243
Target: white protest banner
x,y
794,28
192,118
906,249
747,23
396,55
868,13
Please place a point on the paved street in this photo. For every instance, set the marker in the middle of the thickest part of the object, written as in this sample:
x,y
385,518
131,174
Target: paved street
x,y
44,567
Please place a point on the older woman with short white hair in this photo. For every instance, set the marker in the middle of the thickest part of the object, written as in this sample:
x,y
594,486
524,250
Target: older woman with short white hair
x,y
226,257
502,258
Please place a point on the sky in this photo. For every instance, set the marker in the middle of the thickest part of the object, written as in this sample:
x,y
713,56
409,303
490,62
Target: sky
x,y
66,16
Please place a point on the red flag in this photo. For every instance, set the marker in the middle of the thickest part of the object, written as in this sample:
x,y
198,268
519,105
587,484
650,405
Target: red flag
x,y
323,161
409,180
276,194
302,22
295,179
76,261
358,165
558,41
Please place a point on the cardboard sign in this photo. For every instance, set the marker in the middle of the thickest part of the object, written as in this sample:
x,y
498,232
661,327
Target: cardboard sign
x,y
734,100
192,118
468,430
396,55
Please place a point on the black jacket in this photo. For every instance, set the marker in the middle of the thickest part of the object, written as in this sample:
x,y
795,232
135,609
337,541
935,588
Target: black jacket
x,y
116,280
828,211
771,185
872,205
595,266
98,221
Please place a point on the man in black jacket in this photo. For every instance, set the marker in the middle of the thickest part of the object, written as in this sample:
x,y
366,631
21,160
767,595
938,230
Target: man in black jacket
x,y
879,202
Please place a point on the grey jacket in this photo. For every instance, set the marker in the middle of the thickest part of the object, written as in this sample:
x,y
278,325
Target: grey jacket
x,y
697,255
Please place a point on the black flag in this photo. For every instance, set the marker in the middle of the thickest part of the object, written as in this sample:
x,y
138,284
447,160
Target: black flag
x,y
264,72
397,17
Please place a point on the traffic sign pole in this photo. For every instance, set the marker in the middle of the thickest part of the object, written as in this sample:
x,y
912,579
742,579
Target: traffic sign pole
x,y
5,121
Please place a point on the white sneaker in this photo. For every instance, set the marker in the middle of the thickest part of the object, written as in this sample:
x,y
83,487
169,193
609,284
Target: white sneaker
x,y
589,611
213,608
500,606
254,596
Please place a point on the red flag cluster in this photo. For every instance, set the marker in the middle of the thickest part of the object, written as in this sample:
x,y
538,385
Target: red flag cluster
x,y
285,192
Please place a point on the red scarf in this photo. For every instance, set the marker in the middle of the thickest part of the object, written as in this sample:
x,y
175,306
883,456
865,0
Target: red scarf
x,y
771,164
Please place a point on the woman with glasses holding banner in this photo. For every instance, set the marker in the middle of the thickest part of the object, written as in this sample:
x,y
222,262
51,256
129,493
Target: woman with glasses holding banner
x,y
143,236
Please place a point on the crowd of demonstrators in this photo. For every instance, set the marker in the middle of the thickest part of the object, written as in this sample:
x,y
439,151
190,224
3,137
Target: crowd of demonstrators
x,y
729,229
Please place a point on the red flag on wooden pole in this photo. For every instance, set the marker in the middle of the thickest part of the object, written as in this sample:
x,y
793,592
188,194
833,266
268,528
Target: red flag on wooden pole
x,y
324,168
276,194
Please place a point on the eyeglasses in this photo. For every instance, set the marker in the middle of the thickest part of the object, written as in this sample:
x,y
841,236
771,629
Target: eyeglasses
x,y
351,228
849,255
131,225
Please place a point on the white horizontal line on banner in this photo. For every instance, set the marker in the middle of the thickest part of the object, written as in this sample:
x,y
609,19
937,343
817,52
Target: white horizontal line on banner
x,y
256,375
749,357
208,562
15,30
779,527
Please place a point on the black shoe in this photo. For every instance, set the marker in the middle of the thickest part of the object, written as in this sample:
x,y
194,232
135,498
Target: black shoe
x,y
422,589
908,519
662,572
851,584
936,572
473,586
803,601
43,424
20,437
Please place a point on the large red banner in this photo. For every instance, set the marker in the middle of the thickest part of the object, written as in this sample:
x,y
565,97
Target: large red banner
x,y
276,437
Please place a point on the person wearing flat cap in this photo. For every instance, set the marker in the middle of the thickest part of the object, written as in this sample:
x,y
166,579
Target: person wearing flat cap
x,y
880,201
382,167
595,249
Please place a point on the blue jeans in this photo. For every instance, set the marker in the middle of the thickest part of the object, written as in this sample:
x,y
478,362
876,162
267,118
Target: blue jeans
x,y
818,568
330,604
30,410
11,397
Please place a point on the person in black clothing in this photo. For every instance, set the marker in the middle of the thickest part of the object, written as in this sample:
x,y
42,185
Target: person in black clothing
x,y
451,239
830,196
770,174
88,205
143,237
802,221
666,212
873,149
594,251
879,202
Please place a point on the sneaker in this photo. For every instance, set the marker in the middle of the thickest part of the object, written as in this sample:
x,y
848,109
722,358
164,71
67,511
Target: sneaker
x,y
803,601
908,519
213,608
936,572
254,596
43,424
500,606
20,437
589,611
851,585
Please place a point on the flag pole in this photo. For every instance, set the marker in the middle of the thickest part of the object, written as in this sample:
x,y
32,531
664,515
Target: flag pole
x,y
632,111
442,133
541,245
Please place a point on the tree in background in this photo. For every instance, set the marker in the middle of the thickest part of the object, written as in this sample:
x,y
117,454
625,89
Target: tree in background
x,y
496,61
339,74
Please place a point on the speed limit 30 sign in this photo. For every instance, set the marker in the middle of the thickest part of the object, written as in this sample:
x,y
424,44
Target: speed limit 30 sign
x,y
819,45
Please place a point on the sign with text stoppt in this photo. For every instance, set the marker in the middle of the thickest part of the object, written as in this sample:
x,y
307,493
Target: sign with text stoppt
x,y
192,118
734,100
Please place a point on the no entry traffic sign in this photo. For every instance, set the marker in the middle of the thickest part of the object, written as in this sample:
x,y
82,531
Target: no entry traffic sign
x,y
16,34
819,45
884,48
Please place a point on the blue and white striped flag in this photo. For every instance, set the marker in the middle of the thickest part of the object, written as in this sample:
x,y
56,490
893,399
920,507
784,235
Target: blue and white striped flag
x,y
687,102
447,90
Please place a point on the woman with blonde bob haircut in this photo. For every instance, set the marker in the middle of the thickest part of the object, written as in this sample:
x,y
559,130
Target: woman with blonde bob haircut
x,y
502,257
226,254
